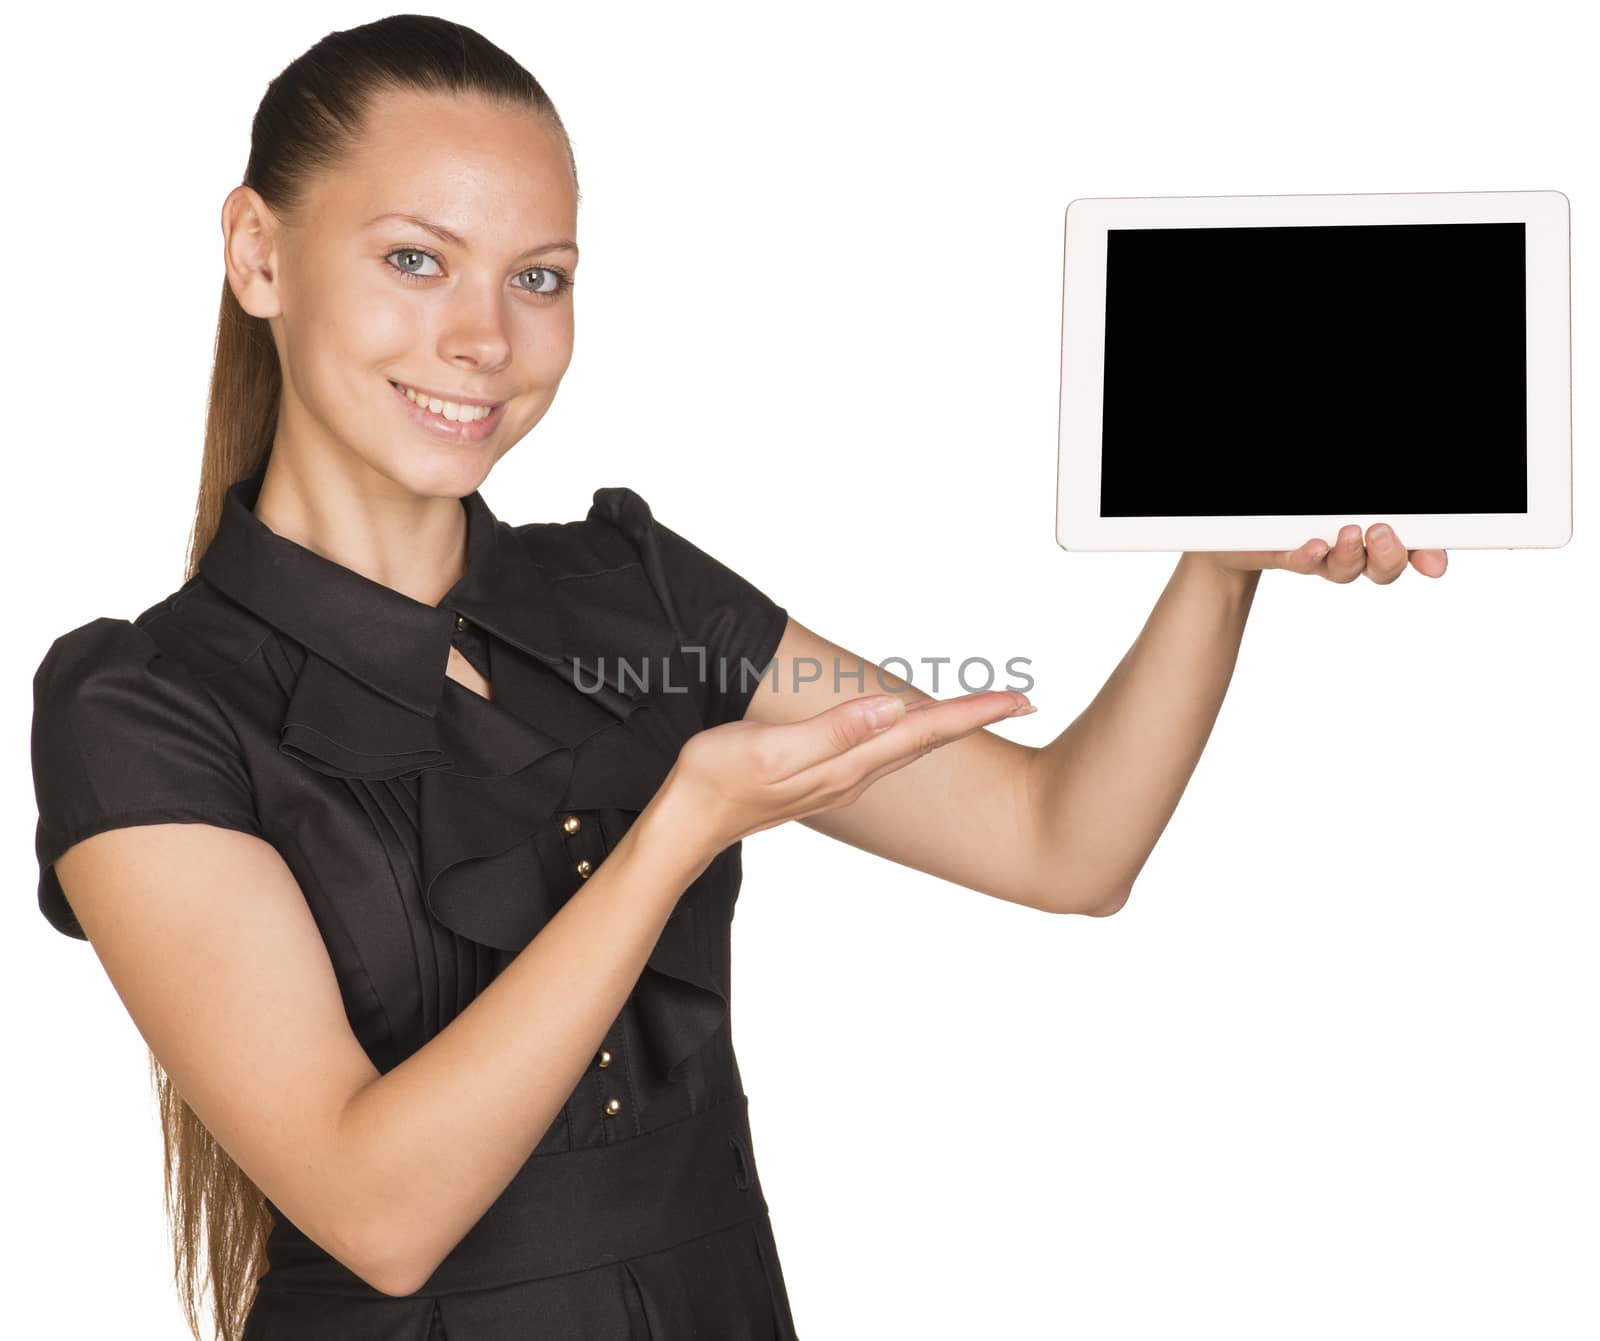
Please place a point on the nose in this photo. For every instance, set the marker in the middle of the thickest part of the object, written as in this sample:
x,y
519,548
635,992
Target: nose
x,y
476,333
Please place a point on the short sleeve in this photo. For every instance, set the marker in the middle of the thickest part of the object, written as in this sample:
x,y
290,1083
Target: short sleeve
x,y
125,735
712,607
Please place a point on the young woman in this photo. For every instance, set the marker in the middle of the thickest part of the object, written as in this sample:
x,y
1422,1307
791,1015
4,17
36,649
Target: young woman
x,y
410,838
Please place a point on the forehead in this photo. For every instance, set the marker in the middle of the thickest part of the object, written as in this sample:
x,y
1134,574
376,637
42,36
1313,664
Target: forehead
x,y
479,167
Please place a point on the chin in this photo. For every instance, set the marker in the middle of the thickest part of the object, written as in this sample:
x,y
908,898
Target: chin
x,y
432,471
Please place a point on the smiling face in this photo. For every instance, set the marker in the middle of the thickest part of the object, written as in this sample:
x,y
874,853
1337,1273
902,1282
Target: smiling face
x,y
362,301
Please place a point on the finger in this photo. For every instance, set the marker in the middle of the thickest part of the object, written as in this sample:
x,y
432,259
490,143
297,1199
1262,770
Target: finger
x,y
1021,706
1430,562
1347,560
846,726
1386,556
1307,559
834,731
936,722
849,774
990,705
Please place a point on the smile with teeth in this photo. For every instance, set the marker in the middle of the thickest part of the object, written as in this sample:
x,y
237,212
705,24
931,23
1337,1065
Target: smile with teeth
x,y
446,409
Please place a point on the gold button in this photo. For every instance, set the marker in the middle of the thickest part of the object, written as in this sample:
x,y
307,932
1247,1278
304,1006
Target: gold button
x,y
605,1057
613,1107
584,868
571,824
461,623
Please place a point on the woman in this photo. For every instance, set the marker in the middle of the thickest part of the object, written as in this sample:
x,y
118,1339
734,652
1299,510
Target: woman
x,y
410,838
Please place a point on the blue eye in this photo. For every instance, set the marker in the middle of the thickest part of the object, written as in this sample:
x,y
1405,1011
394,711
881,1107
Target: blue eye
x,y
556,282
414,253
562,280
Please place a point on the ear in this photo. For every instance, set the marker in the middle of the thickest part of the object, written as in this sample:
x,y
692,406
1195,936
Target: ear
x,y
249,229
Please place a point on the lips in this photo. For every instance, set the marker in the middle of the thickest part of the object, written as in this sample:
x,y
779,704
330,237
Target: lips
x,y
425,395
449,430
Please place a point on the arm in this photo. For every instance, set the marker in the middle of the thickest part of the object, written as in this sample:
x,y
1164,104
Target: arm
x,y
237,999
1064,828
1105,788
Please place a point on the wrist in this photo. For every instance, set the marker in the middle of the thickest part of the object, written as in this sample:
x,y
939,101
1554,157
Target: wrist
x,y
676,826
1213,569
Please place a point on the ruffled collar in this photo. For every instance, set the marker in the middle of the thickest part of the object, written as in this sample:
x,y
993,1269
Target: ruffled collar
x,y
381,637
567,730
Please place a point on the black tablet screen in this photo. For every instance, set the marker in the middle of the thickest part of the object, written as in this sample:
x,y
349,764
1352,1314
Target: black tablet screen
x,y
1366,369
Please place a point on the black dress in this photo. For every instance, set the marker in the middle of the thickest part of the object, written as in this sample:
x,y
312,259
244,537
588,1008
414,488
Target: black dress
x,y
434,832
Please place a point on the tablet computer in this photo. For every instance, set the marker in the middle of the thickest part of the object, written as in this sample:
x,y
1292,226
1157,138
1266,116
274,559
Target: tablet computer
x,y
1250,372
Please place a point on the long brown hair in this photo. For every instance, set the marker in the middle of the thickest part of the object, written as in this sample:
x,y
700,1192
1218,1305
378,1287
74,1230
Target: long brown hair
x,y
310,118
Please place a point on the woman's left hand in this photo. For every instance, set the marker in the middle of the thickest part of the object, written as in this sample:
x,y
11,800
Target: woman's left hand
x,y
1382,558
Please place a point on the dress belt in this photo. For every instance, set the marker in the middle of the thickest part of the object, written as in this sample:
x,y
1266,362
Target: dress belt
x,y
572,1210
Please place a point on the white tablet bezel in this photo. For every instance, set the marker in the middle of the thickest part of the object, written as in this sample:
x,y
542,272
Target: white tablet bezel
x,y
1548,521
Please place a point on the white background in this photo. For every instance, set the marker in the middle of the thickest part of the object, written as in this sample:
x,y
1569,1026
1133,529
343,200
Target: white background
x,y
1331,1073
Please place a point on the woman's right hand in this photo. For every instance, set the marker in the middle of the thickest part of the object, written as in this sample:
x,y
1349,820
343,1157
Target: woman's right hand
x,y
745,776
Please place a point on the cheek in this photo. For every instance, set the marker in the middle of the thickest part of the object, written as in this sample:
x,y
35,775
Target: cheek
x,y
545,343
376,325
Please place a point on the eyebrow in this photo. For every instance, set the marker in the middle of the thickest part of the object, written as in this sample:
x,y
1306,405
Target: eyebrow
x,y
455,239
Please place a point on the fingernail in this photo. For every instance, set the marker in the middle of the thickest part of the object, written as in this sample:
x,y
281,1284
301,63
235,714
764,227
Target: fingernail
x,y
1022,711
885,712
1320,552
1379,534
